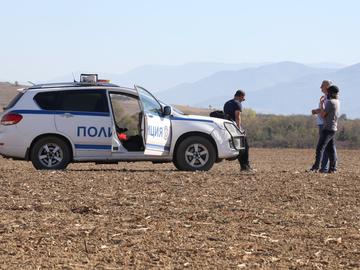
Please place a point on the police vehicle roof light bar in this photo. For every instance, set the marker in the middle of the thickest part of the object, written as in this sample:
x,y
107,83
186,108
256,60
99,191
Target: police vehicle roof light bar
x,y
89,78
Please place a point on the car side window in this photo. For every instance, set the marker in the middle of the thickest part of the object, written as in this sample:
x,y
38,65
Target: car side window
x,y
150,104
47,100
127,113
74,100
128,119
13,102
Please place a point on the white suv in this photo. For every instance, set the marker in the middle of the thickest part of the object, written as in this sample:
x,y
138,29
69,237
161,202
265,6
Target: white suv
x,y
92,120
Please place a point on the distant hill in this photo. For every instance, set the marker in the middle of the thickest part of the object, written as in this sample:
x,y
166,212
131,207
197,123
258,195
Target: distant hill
x,y
301,95
160,77
327,65
7,92
280,88
224,83
193,110
277,88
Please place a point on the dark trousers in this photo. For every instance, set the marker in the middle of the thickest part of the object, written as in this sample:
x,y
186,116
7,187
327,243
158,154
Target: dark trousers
x,y
325,158
326,144
244,156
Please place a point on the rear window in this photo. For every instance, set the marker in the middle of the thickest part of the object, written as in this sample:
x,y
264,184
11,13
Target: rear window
x,y
14,101
74,100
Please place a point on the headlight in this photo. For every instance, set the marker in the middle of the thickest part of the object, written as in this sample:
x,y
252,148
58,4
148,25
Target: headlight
x,y
237,143
236,135
232,129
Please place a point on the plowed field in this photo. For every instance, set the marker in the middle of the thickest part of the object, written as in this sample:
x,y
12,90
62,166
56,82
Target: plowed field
x,y
141,216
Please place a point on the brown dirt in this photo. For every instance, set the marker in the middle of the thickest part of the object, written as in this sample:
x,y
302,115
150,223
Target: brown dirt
x,y
141,216
7,92
194,110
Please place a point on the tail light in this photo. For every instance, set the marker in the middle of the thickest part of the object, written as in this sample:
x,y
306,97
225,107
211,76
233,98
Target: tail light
x,y
11,119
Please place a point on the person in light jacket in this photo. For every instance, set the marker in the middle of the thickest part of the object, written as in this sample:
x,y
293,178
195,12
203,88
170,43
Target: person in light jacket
x,y
329,111
320,122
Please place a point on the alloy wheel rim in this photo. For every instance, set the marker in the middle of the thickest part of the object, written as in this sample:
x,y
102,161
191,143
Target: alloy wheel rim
x,y
196,155
50,155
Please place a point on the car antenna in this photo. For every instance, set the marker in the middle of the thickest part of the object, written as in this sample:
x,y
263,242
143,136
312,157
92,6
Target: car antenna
x,y
31,83
73,76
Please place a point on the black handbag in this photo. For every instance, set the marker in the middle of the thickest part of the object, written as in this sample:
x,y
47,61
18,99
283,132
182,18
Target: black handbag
x,y
220,114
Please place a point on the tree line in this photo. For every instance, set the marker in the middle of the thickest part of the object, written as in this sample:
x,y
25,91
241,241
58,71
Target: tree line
x,y
295,131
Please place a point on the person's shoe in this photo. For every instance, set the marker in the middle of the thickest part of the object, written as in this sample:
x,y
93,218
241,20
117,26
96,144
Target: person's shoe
x,y
332,171
248,169
323,171
313,170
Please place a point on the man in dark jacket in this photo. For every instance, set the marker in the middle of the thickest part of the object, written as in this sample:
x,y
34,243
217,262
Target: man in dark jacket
x,y
233,108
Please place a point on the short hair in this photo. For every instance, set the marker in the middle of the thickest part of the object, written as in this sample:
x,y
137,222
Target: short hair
x,y
328,82
333,92
239,93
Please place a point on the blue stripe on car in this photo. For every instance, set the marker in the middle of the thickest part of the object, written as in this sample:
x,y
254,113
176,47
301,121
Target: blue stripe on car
x,y
106,114
157,147
190,119
108,147
92,147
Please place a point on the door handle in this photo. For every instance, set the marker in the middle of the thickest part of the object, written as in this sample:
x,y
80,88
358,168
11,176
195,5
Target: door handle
x,y
68,115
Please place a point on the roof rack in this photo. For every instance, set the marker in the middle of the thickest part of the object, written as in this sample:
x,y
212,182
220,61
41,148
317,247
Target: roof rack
x,y
53,85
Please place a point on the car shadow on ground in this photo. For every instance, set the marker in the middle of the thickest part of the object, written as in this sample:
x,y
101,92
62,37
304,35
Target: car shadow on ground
x,y
121,170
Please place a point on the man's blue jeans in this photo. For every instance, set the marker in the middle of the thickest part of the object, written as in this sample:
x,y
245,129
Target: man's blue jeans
x,y
326,144
325,158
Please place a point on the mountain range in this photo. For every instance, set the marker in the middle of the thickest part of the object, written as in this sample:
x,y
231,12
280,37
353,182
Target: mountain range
x,y
276,88
160,77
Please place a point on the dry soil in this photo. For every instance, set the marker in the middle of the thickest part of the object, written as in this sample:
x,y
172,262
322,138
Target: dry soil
x,y
141,215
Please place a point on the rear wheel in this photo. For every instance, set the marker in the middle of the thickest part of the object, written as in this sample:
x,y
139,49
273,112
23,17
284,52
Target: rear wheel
x,y
50,153
195,153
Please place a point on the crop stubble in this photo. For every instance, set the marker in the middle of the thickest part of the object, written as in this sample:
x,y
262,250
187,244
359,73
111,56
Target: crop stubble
x,y
140,215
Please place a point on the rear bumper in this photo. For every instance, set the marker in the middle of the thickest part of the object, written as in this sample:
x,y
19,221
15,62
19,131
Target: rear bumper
x,y
12,145
13,158
12,151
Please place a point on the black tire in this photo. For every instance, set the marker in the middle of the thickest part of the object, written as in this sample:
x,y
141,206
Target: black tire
x,y
50,153
176,164
195,153
219,160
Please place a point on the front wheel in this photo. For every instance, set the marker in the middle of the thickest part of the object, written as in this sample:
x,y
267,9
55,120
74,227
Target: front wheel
x,y
195,153
50,153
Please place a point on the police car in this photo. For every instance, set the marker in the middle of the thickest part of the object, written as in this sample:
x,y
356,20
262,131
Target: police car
x,y
92,120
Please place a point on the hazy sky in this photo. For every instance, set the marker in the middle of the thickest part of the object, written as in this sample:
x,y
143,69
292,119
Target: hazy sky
x,y
44,39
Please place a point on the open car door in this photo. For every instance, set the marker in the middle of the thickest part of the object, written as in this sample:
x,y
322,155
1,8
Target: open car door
x,y
127,123
156,125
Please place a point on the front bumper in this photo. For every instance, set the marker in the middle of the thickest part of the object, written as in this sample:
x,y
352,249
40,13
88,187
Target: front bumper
x,y
228,146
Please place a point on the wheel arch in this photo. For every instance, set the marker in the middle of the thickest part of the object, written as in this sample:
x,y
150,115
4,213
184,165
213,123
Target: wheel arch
x,y
66,140
195,133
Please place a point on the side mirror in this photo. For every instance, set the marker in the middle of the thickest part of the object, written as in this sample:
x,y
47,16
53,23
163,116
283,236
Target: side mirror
x,y
167,110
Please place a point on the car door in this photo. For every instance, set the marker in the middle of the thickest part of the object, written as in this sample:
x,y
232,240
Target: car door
x,y
157,127
127,139
83,116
